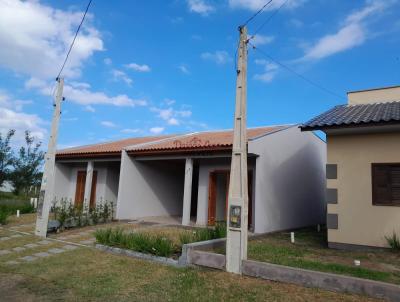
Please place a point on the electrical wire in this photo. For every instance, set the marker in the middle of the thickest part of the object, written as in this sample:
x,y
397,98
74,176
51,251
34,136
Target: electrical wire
x,y
73,41
257,13
311,82
270,17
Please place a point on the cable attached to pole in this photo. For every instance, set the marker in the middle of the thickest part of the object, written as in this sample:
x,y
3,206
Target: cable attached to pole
x,y
73,41
257,13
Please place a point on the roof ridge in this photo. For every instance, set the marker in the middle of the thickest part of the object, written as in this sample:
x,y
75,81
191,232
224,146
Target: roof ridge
x,y
158,141
374,103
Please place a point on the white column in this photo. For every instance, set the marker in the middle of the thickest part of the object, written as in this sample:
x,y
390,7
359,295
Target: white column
x,y
88,184
187,193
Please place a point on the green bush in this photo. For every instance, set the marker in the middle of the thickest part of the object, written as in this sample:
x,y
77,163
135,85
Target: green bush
x,y
3,217
141,242
393,241
11,206
204,234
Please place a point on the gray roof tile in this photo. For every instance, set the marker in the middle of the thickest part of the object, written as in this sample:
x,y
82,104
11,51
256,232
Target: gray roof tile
x,y
355,115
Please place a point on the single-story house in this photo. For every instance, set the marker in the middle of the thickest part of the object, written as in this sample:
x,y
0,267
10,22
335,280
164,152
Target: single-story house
x,y
188,176
363,170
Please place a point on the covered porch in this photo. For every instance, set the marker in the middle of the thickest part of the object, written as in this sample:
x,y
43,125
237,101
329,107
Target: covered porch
x,y
191,189
86,183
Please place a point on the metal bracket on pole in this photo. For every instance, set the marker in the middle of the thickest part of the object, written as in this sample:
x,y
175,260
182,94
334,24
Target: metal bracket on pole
x,y
236,243
46,194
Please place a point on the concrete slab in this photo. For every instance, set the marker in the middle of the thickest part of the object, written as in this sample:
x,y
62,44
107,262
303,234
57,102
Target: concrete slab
x,y
19,249
62,238
12,262
4,238
16,236
4,252
44,242
31,245
42,255
29,258
87,242
69,247
56,251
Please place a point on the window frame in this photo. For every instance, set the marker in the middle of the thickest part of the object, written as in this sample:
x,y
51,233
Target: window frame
x,y
374,199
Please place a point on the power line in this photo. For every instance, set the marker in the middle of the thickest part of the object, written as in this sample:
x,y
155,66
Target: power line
x,y
257,13
315,84
73,41
270,17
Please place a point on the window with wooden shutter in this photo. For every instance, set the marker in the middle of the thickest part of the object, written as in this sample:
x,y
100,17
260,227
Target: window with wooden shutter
x,y
386,184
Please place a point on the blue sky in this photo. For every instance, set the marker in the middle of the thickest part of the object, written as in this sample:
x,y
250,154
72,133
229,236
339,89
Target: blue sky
x,y
157,67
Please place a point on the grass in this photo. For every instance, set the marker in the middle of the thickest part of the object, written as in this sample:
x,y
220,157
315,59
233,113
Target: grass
x,y
310,252
10,203
219,231
90,275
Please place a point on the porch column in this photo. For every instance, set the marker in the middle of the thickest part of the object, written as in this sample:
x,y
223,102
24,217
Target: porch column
x,y
88,184
187,193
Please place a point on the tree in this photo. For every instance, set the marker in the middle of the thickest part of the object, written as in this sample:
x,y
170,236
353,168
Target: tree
x,y
28,164
6,156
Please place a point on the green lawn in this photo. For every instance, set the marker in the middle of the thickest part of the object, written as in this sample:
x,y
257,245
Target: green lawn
x,y
311,252
90,275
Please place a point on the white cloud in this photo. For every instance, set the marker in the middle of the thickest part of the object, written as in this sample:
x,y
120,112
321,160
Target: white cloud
x,y
352,33
108,124
255,5
139,68
184,69
157,130
119,75
173,121
130,130
34,37
201,7
262,40
169,102
270,70
107,61
89,108
220,57
86,97
11,117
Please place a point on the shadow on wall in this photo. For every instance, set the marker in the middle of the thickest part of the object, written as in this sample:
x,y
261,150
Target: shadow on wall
x,y
294,184
162,192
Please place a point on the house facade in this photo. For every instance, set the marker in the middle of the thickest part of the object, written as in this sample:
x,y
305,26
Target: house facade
x,y
187,176
363,170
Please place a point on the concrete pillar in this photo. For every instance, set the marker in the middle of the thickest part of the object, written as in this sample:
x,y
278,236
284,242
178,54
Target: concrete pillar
x,y
88,184
187,193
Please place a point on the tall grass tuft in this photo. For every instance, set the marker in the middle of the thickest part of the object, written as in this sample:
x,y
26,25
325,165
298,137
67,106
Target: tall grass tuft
x,y
141,242
393,241
204,234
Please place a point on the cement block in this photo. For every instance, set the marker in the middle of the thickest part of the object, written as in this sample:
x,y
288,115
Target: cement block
x,y
29,258
69,247
207,259
19,249
42,255
56,251
4,252
31,245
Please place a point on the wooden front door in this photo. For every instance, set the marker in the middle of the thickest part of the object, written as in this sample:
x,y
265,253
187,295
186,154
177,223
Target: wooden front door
x,y
212,196
80,189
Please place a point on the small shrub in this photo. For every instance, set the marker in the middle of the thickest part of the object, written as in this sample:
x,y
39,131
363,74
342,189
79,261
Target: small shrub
x,y
393,241
4,217
220,229
204,234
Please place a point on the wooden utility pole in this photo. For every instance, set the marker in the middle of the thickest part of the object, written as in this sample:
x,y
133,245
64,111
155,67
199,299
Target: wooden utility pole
x,y
46,194
236,243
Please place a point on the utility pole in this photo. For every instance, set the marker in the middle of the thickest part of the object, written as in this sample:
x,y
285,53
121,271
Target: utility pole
x,y
236,243
47,187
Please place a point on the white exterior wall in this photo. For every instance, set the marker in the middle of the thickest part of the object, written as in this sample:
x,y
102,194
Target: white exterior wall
x,y
205,167
149,188
290,180
107,180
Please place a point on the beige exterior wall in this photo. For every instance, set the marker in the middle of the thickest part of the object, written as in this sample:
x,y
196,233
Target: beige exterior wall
x,y
359,222
383,95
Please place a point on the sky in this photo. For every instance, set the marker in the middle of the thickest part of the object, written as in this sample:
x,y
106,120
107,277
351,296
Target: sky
x,y
152,67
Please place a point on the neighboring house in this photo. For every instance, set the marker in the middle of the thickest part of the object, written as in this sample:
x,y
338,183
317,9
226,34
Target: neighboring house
x,y
363,170
188,176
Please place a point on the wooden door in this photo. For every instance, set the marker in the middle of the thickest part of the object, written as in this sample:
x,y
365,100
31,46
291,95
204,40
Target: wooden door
x,y
212,198
80,188
93,190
